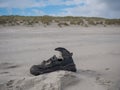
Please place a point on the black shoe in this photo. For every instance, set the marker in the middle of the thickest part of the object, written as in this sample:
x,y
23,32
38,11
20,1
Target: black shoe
x,y
54,63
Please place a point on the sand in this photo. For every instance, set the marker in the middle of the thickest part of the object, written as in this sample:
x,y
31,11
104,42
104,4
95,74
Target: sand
x,y
96,53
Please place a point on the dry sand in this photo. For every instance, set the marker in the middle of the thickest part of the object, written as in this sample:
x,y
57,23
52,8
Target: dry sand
x,y
96,53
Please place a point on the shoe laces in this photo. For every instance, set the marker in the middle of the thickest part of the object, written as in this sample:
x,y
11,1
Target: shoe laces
x,y
49,60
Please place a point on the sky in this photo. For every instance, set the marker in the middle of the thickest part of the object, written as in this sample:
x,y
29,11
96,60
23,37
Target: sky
x,y
89,8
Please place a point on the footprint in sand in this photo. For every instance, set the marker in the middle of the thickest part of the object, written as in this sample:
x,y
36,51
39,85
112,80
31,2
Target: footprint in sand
x,y
102,81
4,72
7,65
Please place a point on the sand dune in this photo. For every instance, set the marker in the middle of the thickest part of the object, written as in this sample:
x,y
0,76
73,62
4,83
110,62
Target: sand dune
x,y
96,53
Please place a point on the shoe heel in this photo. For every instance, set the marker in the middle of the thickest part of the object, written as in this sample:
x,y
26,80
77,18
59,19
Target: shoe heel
x,y
70,67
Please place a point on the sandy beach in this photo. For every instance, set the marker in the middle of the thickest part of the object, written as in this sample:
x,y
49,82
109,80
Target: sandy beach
x,y
96,53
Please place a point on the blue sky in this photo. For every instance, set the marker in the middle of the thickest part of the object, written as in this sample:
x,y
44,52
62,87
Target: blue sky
x,y
90,8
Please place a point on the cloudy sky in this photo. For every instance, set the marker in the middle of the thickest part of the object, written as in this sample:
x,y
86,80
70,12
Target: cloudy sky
x,y
92,8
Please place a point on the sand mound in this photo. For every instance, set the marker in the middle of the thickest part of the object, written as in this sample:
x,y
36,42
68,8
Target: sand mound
x,y
52,81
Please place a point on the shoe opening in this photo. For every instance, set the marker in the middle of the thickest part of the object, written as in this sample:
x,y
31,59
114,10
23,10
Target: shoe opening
x,y
59,59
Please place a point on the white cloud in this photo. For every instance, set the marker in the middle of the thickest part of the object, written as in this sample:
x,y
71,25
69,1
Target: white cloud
x,y
92,8
74,2
20,4
33,3
100,8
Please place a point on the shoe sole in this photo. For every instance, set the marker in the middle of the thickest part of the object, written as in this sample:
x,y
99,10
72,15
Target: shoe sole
x,y
35,70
